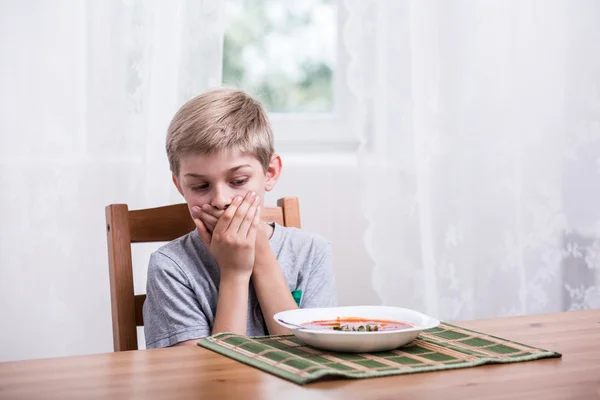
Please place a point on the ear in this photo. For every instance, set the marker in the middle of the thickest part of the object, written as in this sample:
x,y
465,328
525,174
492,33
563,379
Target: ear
x,y
273,172
177,184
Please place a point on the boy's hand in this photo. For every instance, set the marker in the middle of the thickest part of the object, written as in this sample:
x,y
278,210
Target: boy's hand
x,y
263,251
267,278
233,239
210,216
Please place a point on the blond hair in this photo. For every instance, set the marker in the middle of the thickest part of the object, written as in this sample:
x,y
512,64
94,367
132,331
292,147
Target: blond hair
x,y
217,120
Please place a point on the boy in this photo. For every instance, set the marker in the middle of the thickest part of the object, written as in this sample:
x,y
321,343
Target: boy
x,y
234,272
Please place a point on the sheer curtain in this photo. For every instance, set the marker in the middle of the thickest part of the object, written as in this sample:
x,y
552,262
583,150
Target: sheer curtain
x,y
480,152
88,89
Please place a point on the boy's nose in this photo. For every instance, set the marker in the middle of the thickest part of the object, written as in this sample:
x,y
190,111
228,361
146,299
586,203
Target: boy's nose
x,y
220,200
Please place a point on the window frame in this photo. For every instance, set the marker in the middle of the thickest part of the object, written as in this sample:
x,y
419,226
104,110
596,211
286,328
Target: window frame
x,y
323,131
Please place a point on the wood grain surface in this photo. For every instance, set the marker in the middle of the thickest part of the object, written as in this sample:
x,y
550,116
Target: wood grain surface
x,y
194,372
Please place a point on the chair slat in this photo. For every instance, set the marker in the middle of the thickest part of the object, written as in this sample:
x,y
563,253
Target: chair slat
x,y
121,277
291,211
161,224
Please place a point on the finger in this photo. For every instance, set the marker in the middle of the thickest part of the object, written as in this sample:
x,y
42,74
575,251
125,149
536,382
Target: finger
x,y
203,232
240,214
214,211
249,217
253,231
227,216
208,220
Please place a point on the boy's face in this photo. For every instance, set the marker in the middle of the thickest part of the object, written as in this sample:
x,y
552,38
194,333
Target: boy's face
x,y
217,178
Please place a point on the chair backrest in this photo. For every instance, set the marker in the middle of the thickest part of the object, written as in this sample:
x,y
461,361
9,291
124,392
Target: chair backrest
x,y
161,224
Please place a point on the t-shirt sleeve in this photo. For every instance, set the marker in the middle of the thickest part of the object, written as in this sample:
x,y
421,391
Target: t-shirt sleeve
x,y
320,289
172,313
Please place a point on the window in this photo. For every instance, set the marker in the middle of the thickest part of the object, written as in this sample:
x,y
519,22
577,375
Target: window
x,y
287,54
283,52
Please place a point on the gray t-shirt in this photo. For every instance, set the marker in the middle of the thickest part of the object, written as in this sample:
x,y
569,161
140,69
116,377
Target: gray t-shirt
x,y
183,283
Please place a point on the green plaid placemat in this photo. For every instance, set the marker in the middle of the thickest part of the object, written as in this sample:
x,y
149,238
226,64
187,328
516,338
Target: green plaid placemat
x,y
444,347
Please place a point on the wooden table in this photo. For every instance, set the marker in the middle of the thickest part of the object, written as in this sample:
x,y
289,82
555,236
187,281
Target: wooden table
x,y
194,372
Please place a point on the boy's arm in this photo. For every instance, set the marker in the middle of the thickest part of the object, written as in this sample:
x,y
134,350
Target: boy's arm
x,y
232,308
232,244
269,283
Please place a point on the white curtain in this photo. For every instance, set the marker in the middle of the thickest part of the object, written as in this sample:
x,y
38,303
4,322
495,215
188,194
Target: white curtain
x,y
480,154
87,91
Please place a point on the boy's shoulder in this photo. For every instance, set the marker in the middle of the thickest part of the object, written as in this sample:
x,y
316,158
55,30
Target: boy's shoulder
x,y
299,235
182,252
175,246
289,240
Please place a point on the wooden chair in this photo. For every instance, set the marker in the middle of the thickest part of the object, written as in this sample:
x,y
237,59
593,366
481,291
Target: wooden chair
x,y
161,224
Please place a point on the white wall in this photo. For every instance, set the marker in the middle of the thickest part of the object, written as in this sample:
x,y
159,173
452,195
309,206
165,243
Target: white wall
x,y
329,192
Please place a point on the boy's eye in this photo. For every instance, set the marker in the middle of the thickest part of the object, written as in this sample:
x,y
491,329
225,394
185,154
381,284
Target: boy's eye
x,y
199,188
239,182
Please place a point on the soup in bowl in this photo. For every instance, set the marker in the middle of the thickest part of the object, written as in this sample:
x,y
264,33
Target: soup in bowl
x,y
356,328
355,324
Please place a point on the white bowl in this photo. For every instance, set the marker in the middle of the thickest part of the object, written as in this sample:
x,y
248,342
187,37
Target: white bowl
x,y
356,342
